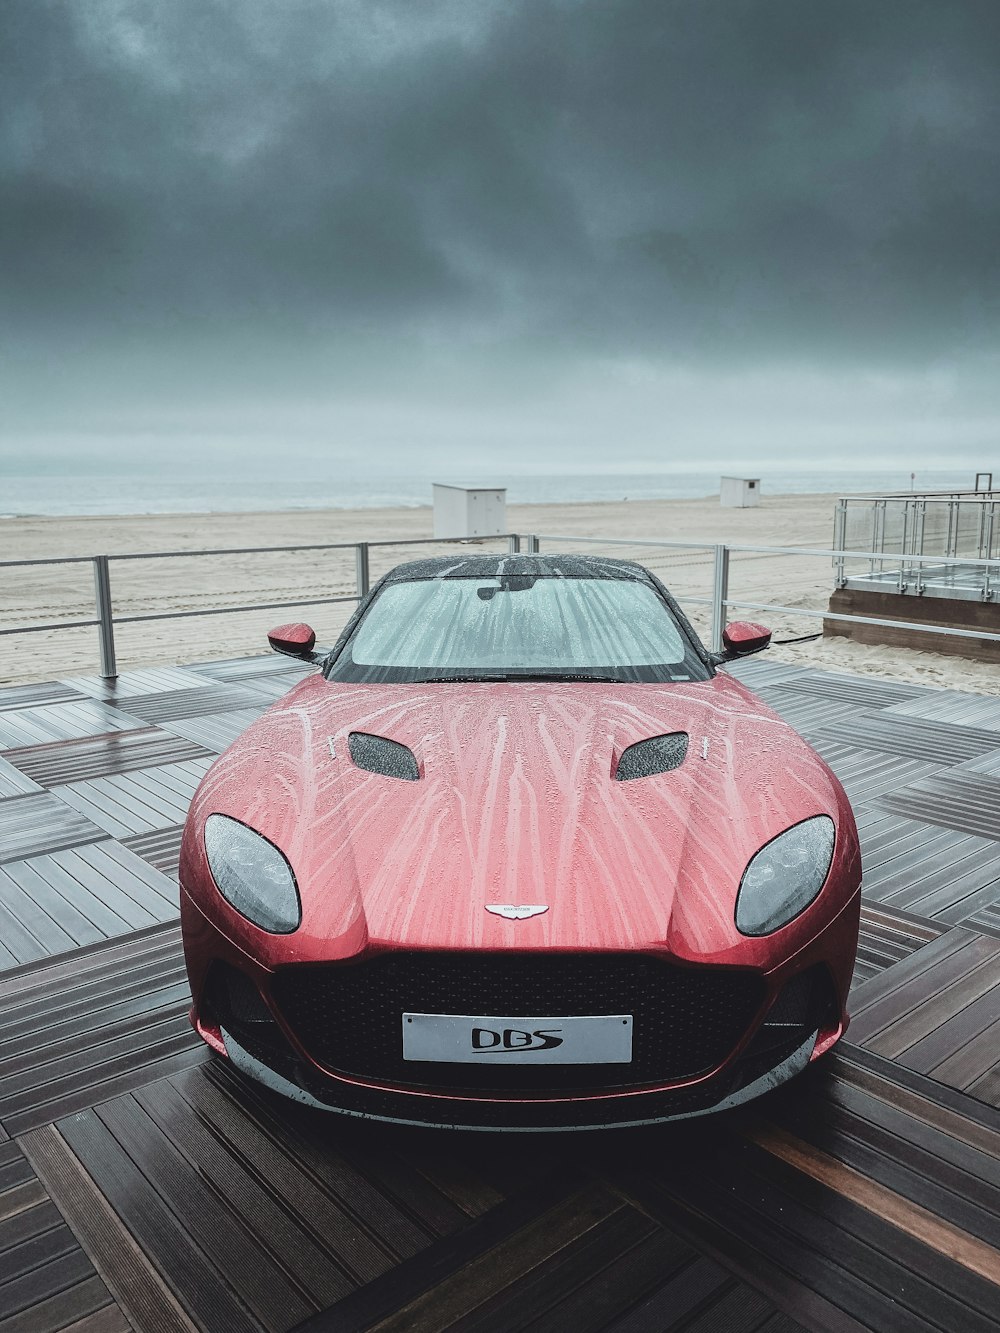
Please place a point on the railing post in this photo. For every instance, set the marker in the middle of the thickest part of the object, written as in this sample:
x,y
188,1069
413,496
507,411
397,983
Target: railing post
x,y
361,556
532,541
988,520
720,595
105,617
514,544
840,540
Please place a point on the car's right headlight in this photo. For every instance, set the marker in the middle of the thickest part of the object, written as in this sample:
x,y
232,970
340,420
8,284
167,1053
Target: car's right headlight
x,y
785,876
252,875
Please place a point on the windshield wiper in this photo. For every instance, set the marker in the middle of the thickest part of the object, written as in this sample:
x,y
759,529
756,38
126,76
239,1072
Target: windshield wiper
x,y
521,675
569,675
462,680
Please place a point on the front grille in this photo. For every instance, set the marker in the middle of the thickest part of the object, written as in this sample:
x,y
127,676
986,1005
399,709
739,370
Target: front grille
x,y
687,1020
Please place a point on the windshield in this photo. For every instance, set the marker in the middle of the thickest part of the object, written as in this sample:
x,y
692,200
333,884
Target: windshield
x,y
516,627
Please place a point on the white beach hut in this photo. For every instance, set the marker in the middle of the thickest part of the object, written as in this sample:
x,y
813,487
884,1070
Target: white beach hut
x,y
739,492
469,511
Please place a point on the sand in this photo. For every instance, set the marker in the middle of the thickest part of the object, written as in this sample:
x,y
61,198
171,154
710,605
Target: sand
x,y
152,586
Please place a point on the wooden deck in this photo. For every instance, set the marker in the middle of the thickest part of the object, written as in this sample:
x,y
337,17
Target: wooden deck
x,y
144,1185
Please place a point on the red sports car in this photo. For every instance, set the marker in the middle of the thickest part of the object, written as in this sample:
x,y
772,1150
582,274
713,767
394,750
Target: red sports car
x,y
517,856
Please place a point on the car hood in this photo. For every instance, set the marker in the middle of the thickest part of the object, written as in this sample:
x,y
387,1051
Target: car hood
x,y
516,804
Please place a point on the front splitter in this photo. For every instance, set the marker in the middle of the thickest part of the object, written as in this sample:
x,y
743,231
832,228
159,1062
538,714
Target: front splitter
x,y
781,1073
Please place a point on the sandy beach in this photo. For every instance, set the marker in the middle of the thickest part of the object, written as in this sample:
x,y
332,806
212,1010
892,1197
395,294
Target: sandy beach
x,y
152,586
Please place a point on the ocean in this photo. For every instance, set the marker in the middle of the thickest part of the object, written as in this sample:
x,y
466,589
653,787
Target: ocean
x,y
166,485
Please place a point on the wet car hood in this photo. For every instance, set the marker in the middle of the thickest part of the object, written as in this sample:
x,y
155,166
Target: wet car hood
x,y
516,804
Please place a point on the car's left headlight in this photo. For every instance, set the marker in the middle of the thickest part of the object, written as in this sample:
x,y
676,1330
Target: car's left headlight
x,y
252,875
785,876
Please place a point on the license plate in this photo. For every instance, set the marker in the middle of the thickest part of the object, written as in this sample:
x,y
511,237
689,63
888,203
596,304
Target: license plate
x,y
593,1039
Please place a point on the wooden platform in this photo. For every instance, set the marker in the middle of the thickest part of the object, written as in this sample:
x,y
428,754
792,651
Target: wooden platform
x,y
144,1185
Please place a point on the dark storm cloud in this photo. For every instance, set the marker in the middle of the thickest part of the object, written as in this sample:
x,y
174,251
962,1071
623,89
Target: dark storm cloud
x,y
719,181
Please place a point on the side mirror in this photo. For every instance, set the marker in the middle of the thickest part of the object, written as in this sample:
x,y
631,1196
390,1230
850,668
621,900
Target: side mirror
x,y
743,637
293,640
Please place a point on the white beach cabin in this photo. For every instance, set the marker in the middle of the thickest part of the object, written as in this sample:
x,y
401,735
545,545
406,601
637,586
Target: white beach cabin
x,y
739,492
470,511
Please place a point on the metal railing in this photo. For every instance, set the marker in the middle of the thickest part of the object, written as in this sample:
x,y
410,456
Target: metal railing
x,y
921,543
105,619
718,598
721,602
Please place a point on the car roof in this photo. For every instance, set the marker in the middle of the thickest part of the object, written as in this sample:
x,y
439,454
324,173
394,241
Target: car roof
x,y
519,566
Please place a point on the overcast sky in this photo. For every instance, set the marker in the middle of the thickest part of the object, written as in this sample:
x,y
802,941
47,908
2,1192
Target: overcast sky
x,y
636,230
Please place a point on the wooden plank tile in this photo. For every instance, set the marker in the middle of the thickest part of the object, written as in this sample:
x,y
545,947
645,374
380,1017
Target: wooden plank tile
x,y
274,686
963,1048
387,1191
946,1245
985,919
205,1297
255,1187
124,804
13,782
894,862
47,1282
250,668
86,985
34,696
140,1001
60,722
868,774
888,988
435,1284
963,1119
987,1087
579,1276
217,732
21,942
174,704
883,834
138,1288
41,823
833,1262
103,878
806,713
987,763
127,684
30,895
136,1061
88,1027
872,821
161,848
916,737
974,884
952,706
936,873
953,1182
887,937
227,1245
59,762
52,976
858,690
917,1009
210,1192
759,671
969,802
79,895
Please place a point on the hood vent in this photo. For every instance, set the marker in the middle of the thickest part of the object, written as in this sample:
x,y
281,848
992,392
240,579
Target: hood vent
x,y
658,754
379,755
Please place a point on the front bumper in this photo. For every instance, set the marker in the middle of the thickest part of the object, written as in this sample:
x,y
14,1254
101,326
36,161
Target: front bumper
x,y
801,1014
535,1117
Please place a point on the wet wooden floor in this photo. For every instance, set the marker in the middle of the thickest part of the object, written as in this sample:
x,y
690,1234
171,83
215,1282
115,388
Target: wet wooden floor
x,y
143,1185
